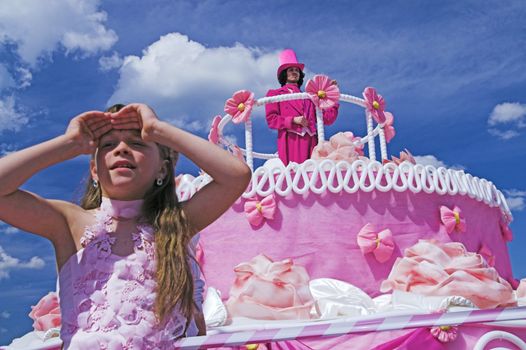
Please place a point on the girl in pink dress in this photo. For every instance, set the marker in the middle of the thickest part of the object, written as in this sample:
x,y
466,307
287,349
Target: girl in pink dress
x,y
125,267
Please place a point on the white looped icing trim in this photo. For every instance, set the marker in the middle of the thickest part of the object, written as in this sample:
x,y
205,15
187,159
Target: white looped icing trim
x,y
361,175
349,177
501,335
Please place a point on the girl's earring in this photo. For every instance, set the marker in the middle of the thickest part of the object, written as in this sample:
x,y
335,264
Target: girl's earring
x,y
95,184
159,182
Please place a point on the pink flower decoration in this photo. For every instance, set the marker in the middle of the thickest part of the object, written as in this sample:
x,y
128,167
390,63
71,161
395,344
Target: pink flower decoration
x,y
452,219
375,104
257,211
487,254
389,130
405,156
506,231
240,106
213,136
445,334
380,243
322,92
46,314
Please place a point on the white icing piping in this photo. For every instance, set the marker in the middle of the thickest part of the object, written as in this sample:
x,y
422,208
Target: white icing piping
x,y
500,335
360,175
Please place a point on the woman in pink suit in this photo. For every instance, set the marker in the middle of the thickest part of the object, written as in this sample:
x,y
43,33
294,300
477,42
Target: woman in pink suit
x,y
295,120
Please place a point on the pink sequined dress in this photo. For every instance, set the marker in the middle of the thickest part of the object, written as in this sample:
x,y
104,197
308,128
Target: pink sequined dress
x,y
106,299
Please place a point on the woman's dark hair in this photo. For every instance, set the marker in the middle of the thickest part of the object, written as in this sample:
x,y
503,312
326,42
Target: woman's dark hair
x,y
282,78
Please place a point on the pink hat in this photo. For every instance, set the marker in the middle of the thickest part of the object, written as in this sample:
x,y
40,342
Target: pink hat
x,y
287,58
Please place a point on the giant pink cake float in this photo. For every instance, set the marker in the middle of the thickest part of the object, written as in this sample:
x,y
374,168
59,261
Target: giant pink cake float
x,y
350,251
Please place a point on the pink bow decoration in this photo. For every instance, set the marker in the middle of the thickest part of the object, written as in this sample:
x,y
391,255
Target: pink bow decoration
x,y
452,219
46,314
389,130
322,93
380,243
259,210
213,136
507,234
487,255
375,104
240,105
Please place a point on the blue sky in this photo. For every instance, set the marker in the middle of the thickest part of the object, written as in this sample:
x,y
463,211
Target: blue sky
x,y
452,72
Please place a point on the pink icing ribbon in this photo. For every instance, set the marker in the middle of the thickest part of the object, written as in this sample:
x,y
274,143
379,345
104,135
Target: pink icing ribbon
x,y
259,210
452,219
380,243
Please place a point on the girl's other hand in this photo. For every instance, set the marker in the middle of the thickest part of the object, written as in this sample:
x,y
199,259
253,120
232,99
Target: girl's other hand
x,y
136,116
86,129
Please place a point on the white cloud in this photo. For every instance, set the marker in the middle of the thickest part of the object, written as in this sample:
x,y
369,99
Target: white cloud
x,y
5,314
10,117
6,80
25,77
507,113
516,199
183,78
510,117
430,160
434,161
40,27
8,263
504,135
9,230
516,203
107,63
6,148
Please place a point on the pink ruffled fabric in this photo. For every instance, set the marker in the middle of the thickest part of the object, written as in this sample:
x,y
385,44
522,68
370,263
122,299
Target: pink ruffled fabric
x,y
442,269
270,290
339,147
46,314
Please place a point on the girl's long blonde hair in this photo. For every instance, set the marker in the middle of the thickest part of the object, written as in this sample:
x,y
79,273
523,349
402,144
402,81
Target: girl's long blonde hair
x,y
162,210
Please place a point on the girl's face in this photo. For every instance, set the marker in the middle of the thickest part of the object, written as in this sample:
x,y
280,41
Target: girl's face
x,y
125,165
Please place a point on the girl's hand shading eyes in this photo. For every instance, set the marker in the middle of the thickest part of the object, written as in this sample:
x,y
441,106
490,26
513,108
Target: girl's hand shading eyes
x,y
86,129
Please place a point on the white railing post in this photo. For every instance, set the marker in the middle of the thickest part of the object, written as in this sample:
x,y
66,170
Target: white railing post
x,y
319,125
248,143
370,143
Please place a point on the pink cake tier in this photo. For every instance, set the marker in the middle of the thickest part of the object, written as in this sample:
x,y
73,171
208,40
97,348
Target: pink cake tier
x,y
314,212
321,206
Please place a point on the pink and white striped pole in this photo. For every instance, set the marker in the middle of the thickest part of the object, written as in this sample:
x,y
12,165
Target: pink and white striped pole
x,y
358,325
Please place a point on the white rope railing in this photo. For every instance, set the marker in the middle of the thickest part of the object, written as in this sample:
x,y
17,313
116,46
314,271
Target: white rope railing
x,y
372,132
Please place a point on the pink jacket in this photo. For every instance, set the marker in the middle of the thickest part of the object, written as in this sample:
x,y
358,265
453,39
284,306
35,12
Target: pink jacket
x,y
292,145
280,115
